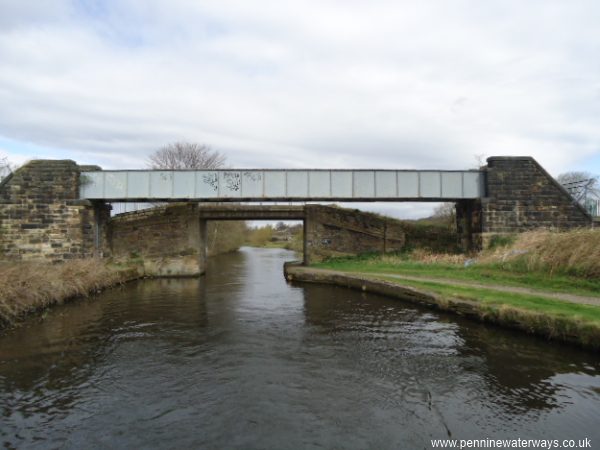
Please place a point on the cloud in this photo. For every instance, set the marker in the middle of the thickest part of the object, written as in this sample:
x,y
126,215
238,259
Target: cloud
x,y
304,84
27,13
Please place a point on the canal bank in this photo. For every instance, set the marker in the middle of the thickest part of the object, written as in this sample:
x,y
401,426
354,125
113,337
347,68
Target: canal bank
x,y
569,319
27,288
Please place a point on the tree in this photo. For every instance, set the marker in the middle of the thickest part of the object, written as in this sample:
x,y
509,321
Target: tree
x,y
444,210
186,155
577,177
480,160
6,168
445,213
259,237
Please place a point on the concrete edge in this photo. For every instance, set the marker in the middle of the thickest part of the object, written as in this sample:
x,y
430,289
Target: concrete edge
x,y
506,316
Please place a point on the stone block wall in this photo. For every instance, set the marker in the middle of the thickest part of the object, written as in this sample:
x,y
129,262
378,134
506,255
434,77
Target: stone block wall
x,y
522,196
331,231
41,216
436,238
168,240
468,224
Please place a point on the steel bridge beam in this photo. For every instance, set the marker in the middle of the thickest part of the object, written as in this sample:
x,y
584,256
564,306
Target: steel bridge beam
x,y
281,185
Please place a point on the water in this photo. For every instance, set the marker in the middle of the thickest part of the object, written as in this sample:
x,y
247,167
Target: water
x,y
240,359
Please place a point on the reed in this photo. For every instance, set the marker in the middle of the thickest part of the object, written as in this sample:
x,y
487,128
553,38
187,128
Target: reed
x,y
29,286
575,252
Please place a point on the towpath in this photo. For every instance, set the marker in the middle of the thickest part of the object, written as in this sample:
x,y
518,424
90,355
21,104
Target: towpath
x,y
572,298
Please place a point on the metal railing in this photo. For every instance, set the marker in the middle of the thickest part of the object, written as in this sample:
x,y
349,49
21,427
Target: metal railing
x,y
586,193
593,207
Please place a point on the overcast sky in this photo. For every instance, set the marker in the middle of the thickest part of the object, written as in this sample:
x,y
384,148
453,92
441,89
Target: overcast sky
x,y
327,84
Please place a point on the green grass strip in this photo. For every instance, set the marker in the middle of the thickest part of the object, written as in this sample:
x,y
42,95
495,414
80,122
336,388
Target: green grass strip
x,y
493,274
497,299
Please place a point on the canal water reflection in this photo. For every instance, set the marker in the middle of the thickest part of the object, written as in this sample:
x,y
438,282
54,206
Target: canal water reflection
x,y
240,359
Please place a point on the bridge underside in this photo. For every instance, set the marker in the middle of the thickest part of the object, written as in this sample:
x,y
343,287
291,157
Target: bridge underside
x,y
251,212
171,239
212,211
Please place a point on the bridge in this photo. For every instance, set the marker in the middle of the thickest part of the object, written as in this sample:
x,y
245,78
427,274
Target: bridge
x,y
56,210
283,185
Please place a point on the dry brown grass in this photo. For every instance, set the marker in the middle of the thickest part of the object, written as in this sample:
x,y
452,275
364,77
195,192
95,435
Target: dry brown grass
x,y
575,252
420,255
30,286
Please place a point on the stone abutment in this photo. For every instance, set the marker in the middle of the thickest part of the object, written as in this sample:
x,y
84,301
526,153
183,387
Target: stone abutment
x,y
519,196
42,217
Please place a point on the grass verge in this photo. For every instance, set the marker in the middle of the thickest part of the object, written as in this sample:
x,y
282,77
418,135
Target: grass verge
x,y
490,273
534,303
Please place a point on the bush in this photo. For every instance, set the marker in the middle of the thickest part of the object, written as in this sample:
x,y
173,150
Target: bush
x,y
259,237
433,237
225,236
501,240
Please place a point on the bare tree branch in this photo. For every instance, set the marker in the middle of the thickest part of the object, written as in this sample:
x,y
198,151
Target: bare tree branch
x,y
186,155
445,213
6,167
480,160
574,177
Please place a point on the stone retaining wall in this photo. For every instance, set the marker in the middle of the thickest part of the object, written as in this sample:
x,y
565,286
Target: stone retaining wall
x,y
332,231
168,240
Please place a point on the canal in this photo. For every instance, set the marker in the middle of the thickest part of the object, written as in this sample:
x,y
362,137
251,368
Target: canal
x,y
240,359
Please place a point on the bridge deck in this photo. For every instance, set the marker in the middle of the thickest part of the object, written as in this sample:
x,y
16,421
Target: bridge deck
x,y
282,185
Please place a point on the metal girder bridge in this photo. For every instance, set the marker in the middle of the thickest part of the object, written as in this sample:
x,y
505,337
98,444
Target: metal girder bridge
x,y
259,185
